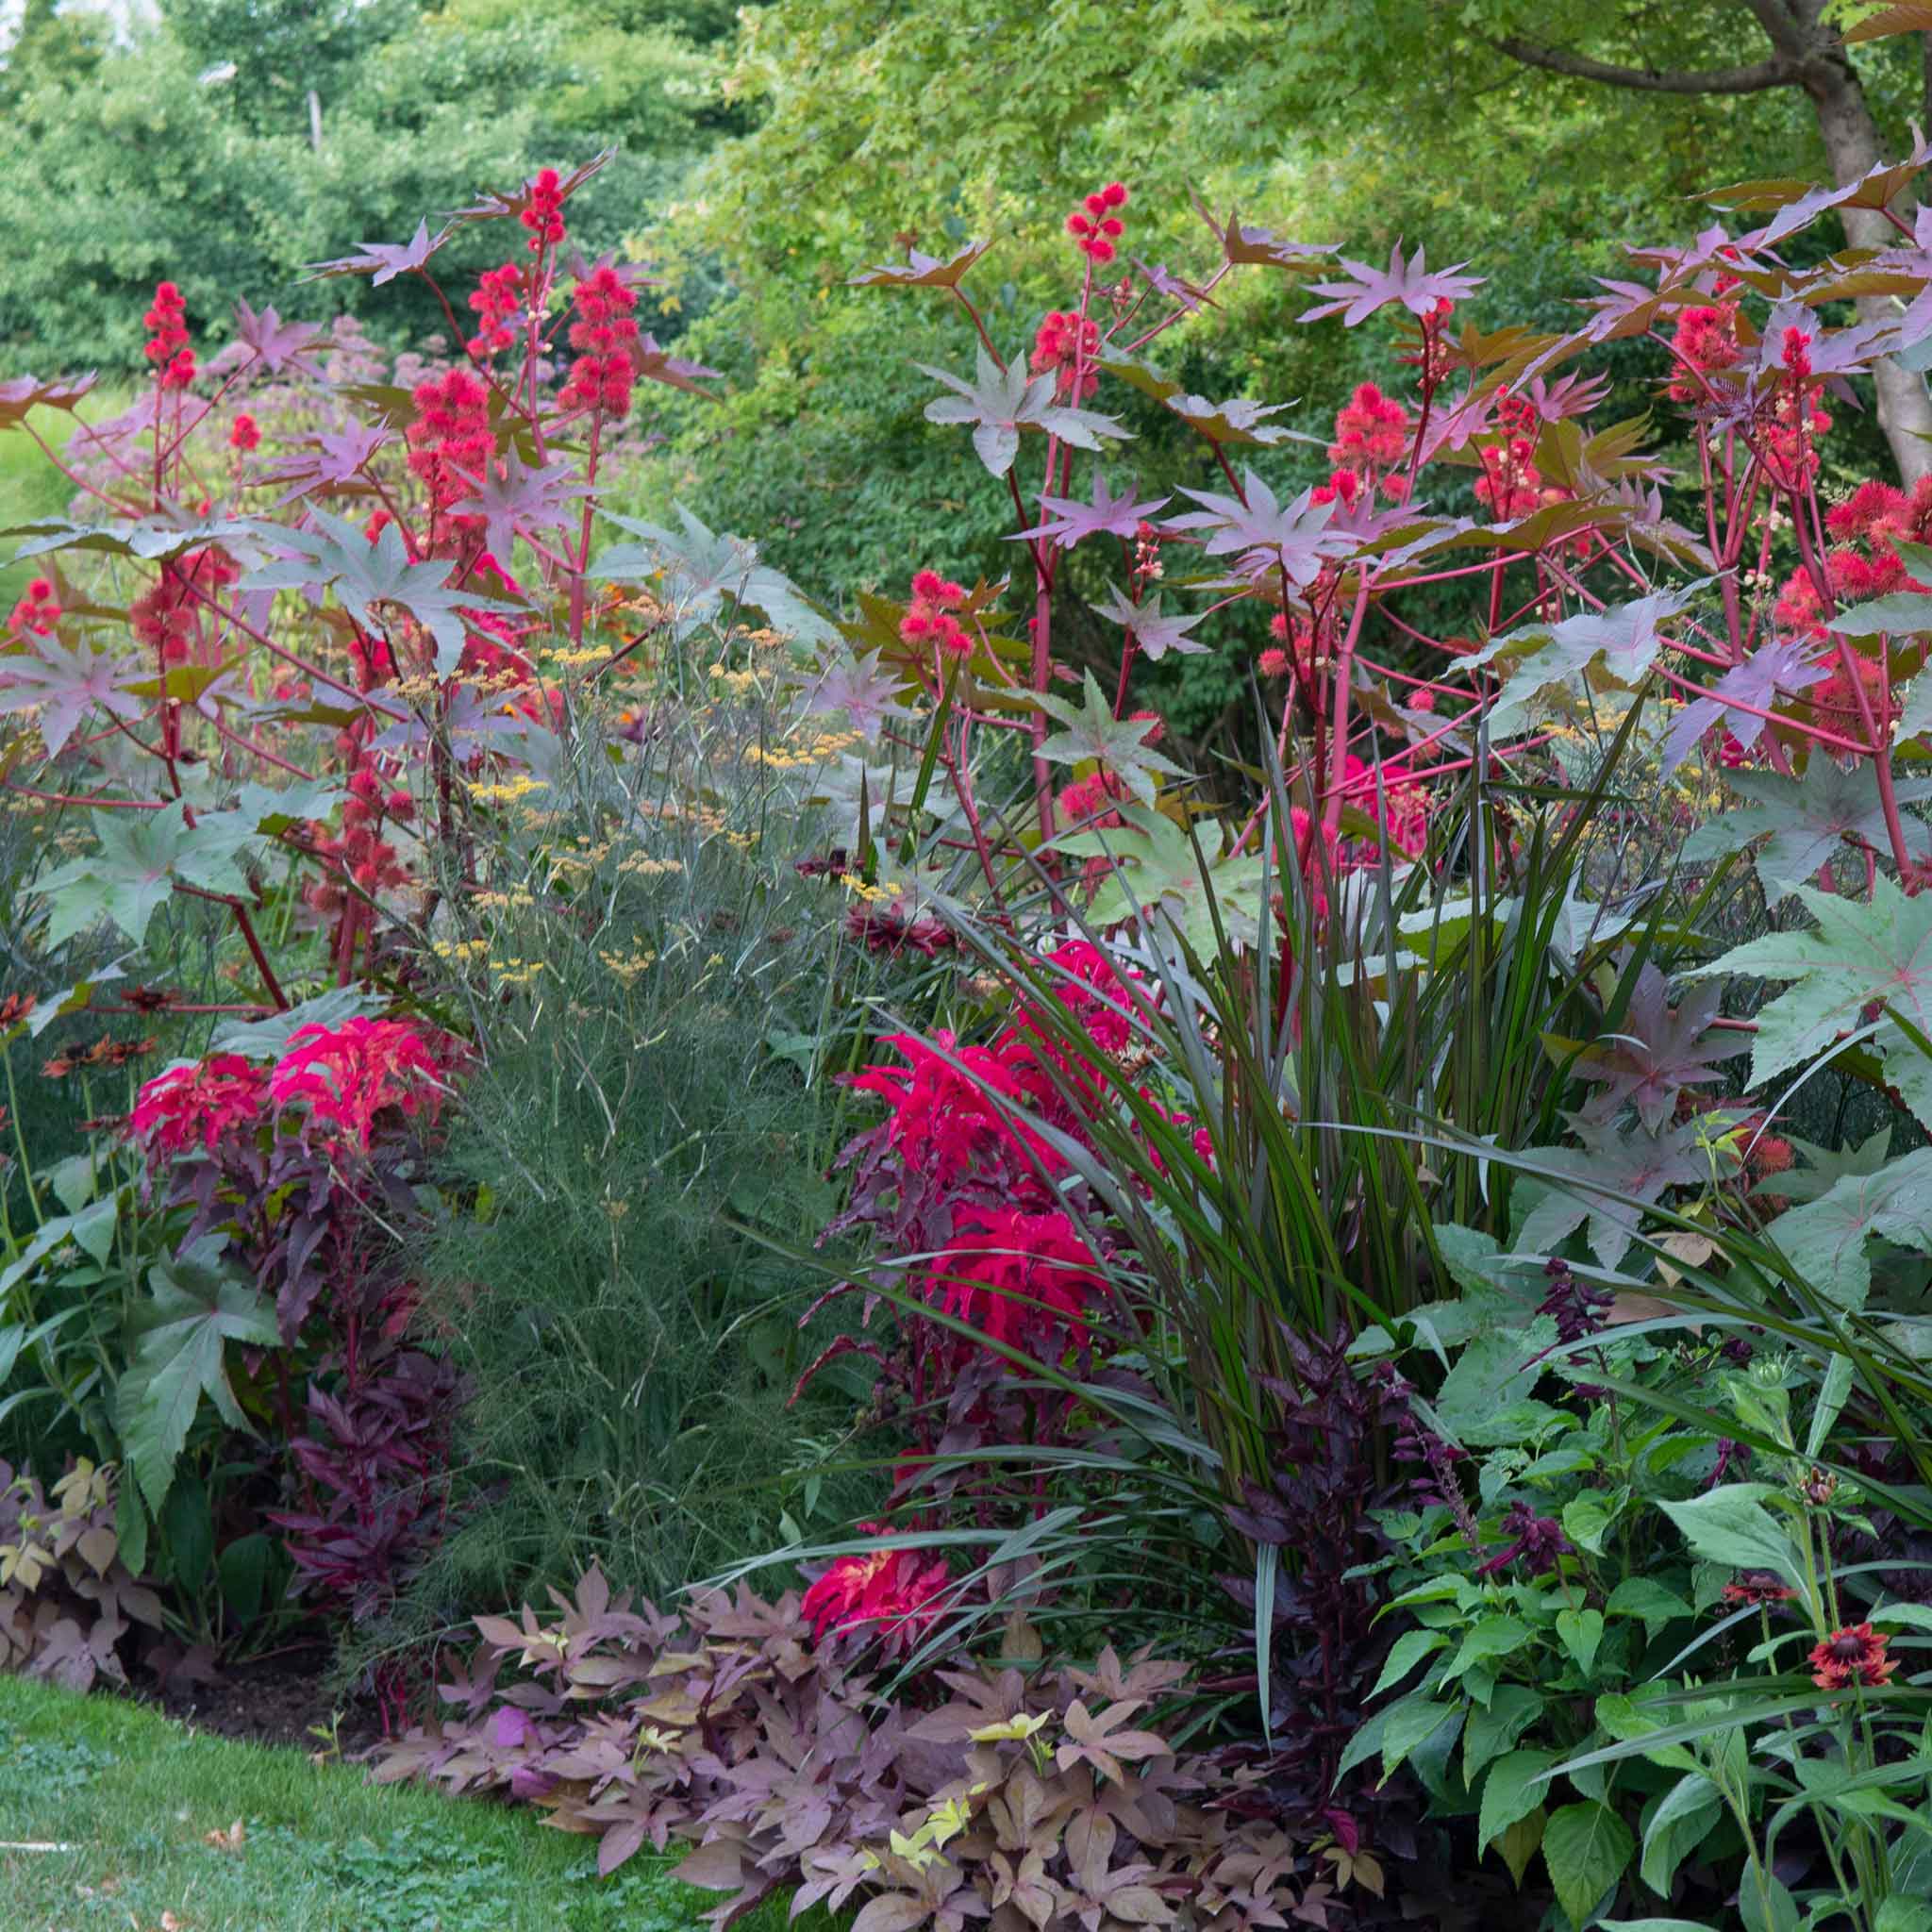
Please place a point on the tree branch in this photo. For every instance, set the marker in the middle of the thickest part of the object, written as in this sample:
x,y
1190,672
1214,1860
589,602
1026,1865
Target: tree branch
x,y
1762,75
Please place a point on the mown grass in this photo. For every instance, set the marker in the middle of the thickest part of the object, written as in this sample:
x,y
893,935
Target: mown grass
x,y
131,1798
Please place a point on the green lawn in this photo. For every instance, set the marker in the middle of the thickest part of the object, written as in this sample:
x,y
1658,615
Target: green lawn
x,y
132,1795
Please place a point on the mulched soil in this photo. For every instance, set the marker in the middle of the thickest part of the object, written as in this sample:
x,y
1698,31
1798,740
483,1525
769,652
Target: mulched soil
x,y
272,1700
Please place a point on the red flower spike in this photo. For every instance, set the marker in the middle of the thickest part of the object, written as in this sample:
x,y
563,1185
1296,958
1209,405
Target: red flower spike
x,y
245,433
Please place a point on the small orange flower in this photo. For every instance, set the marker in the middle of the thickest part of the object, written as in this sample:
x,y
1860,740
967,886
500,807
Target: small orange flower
x,y
1853,1654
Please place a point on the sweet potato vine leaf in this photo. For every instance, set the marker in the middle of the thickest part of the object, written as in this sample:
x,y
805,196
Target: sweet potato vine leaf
x,y
1091,731
999,403
198,1308
1861,953
1806,819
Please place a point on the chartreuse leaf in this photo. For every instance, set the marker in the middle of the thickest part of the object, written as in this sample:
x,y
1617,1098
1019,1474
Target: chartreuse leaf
x,y
198,1308
1514,1788
1731,1525
1586,1847
1680,1821
1488,1637
1639,1596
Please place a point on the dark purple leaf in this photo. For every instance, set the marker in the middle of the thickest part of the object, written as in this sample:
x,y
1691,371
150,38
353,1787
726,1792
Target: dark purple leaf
x,y
511,497
383,261
921,271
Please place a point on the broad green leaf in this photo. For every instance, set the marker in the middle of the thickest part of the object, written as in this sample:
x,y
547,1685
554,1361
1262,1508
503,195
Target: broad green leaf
x,y
1090,732
1681,1820
1514,1788
1639,1596
1490,1732
1492,1375
1408,1724
196,1310
1731,1525
1488,1637
1585,1520
1859,953
1580,1632
1806,820
1521,1843
1826,1238
1586,1847
1406,1652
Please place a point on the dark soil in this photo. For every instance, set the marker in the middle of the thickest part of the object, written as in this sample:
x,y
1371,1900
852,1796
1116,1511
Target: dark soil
x,y
274,1700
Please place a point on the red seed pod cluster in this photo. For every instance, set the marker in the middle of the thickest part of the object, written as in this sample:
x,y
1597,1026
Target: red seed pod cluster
x,y
451,441
498,302
244,433
930,619
166,322
1067,343
605,335
38,611
167,618
1095,225
544,213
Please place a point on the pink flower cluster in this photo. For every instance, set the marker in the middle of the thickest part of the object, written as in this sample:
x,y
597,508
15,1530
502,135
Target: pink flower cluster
x,y
930,619
1095,225
166,322
345,1076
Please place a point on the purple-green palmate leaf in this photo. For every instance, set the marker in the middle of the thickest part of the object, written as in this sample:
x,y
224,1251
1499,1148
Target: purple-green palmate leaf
x,y
340,555
1788,665
1090,732
1411,284
1069,521
383,261
1295,537
1658,1052
1157,635
337,460
1803,820
921,271
860,688
64,684
1621,1172
999,403
512,495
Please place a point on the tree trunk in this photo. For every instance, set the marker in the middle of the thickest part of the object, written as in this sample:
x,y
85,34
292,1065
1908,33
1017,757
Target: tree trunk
x,y
1852,146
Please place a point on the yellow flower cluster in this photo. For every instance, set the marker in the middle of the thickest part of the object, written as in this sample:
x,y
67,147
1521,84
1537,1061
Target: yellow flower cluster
x,y
740,684
509,791
627,966
641,865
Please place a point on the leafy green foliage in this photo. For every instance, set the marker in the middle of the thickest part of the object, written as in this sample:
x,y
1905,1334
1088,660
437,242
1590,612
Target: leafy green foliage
x,y
198,1308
